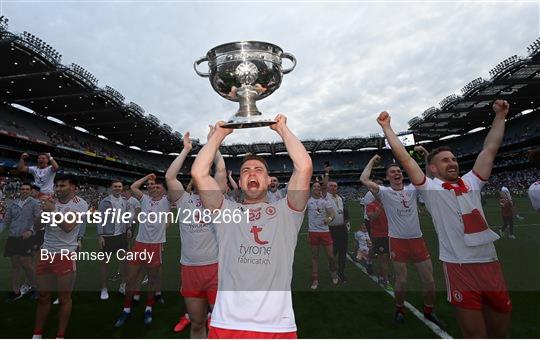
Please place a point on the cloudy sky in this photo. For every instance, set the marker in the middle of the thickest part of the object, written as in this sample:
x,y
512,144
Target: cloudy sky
x,y
354,59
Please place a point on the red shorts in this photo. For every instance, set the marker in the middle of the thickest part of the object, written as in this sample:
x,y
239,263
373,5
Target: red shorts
x,y
151,248
199,281
59,266
222,333
320,238
473,285
408,250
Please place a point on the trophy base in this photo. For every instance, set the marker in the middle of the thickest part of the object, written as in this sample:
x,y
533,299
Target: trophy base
x,y
248,122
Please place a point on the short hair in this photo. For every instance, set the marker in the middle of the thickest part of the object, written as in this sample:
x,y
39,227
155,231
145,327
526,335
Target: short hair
x,y
67,177
436,151
250,157
43,153
534,157
35,187
117,181
161,181
27,184
390,166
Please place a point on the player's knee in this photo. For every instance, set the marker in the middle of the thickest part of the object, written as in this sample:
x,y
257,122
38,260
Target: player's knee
x,y
44,298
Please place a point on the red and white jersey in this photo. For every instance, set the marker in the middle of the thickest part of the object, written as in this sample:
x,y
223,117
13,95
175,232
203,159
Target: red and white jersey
x,y
316,208
443,206
153,222
43,178
275,196
401,211
256,266
55,238
132,204
534,195
199,240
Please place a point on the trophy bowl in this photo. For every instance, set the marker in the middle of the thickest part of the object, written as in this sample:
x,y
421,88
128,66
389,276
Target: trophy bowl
x,y
244,72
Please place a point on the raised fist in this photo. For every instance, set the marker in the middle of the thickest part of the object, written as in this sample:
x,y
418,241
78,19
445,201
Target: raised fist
x,y
501,107
384,119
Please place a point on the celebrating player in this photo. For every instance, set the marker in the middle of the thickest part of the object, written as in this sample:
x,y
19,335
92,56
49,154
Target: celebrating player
x,y
405,237
256,250
43,173
474,278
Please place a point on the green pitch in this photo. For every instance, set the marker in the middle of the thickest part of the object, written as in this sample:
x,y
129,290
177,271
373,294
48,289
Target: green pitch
x,y
357,309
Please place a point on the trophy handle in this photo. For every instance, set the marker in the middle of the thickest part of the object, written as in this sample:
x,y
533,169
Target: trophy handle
x,y
199,61
291,58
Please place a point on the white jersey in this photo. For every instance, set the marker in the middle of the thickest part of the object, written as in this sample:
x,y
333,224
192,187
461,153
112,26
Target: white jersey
x,y
121,206
339,210
55,238
401,211
368,198
534,195
153,222
443,206
199,240
316,208
275,196
256,267
506,192
43,178
132,204
362,238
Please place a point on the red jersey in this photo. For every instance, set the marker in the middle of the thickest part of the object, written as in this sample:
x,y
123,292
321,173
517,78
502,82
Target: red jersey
x,y
379,226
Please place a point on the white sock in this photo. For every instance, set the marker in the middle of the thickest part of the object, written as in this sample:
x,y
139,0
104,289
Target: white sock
x,y
148,308
127,309
37,336
186,316
136,297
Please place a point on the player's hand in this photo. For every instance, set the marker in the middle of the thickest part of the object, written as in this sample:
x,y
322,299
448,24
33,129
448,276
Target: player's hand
x,y
187,142
376,159
501,107
259,88
421,150
101,242
221,131
151,177
384,119
48,154
25,156
26,234
281,123
47,203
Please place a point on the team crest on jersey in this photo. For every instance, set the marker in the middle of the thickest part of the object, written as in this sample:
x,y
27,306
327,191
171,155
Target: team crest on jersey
x,y
255,231
270,210
458,297
254,214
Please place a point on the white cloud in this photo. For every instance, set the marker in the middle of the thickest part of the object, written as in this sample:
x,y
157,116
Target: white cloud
x,y
354,60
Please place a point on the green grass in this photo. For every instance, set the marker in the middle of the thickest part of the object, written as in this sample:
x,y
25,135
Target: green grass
x,y
357,309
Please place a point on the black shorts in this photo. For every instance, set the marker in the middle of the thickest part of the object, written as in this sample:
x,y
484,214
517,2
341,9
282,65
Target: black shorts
x,y
115,243
17,246
380,245
38,239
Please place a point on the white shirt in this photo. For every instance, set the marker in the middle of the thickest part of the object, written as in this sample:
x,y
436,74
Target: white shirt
x,y
132,204
275,196
316,208
368,198
362,237
43,178
401,211
534,195
443,206
256,267
199,240
55,238
337,204
150,232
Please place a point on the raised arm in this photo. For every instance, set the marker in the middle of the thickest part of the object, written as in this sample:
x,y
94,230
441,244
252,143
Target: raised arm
x,y
366,174
233,183
298,189
407,162
175,188
54,165
21,166
484,162
325,179
424,153
208,187
136,186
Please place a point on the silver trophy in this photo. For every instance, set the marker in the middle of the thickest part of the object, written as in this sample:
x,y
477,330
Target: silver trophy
x,y
244,72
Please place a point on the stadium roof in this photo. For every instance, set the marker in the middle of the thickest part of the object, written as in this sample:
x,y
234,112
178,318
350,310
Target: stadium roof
x,y
31,75
516,79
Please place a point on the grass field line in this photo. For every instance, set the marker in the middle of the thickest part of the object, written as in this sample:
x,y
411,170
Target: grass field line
x,y
436,329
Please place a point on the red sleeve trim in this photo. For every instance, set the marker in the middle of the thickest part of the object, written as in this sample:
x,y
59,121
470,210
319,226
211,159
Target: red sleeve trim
x,y
420,184
479,177
291,207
